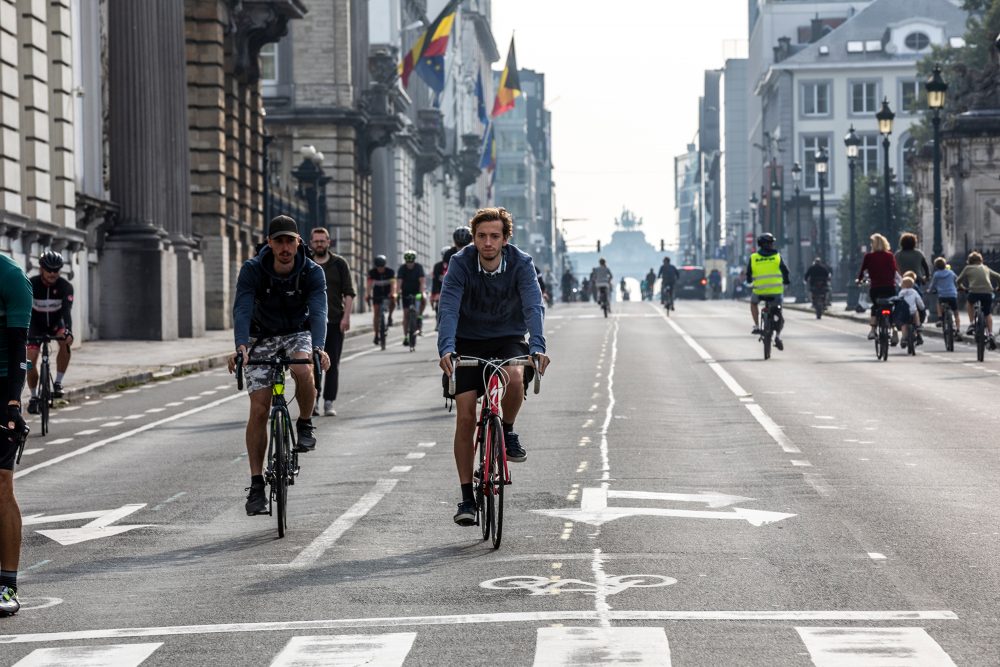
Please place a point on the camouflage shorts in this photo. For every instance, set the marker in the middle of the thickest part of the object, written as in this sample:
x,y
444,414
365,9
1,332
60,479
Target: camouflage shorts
x,y
259,377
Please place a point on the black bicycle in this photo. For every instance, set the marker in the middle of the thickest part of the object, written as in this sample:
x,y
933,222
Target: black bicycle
x,y
46,401
979,330
282,459
883,326
948,327
382,326
667,296
413,320
602,296
770,317
819,292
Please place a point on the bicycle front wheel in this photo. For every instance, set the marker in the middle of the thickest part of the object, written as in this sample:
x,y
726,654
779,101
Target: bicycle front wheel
x,y
44,397
280,448
497,479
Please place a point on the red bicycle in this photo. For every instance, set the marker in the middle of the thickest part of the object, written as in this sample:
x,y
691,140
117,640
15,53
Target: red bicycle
x,y
492,475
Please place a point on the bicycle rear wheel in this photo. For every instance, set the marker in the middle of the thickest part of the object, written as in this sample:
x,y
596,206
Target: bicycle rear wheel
x,y
279,485
882,342
496,479
766,337
980,336
948,330
411,328
44,397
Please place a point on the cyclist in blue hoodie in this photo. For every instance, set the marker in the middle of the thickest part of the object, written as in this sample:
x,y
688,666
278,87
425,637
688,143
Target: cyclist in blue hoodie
x,y
489,300
280,307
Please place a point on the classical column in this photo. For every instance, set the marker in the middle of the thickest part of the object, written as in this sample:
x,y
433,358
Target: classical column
x,y
138,267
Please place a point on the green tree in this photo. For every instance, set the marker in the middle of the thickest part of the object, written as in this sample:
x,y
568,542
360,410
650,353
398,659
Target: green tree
x,y
870,212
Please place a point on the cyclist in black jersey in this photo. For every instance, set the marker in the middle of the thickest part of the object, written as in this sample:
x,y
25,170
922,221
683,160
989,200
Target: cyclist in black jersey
x,y
51,315
410,281
381,286
437,277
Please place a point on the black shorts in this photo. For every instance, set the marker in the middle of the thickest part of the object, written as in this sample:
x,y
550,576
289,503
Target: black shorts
x,y
470,378
40,331
951,301
8,448
986,300
877,293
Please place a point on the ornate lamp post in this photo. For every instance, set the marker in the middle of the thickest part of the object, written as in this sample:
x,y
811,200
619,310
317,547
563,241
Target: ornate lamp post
x,y
800,291
885,117
754,202
936,89
852,141
822,162
775,203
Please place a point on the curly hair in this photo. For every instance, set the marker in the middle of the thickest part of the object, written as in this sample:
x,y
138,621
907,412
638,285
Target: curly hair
x,y
491,215
908,241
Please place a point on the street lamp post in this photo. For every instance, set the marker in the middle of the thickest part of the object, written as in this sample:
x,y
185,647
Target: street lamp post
x,y
852,142
753,213
775,201
822,162
936,89
800,292
885,117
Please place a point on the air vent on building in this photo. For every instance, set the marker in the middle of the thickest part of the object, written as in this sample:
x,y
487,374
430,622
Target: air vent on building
x,y
824,50
855,47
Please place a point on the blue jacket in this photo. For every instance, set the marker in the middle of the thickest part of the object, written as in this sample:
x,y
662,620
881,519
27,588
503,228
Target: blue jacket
x,y
267,304
477,306
943,282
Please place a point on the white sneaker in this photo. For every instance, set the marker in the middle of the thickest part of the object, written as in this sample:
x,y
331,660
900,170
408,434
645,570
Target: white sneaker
x,y
328,410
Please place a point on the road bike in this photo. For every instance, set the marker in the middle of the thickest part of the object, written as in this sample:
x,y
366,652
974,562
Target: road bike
x,y
770,316
883,327
668,298
46,401
979,330
602,297
380,335
948,327
492,475
413,320
282,465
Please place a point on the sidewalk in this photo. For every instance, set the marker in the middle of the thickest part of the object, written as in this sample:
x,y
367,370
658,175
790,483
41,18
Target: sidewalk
x,y
105,365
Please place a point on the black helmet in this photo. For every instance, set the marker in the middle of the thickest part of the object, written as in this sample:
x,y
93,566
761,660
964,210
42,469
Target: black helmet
x,y
462,236
445,251
766,238
380,260
51,260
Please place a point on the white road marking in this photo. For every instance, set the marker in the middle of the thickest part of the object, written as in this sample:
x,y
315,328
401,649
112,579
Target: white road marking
x,y
816,481
126,434
426,444
772,429
69,408
874,555
152,410
399,469
130,391
89,431
115,655
91,403
509,617
109,397
827,427
823,416
96,529
109,424
873,647
169,500
563,647
209,392
801,464
223,386
174,404
32,450
131,417
416,455
343,523
346,650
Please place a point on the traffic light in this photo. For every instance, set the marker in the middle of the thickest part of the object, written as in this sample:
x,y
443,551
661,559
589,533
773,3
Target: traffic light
x,y
663,246
598,246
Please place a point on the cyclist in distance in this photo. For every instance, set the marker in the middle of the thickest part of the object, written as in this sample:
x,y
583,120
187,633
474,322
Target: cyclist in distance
x,y
980,281
909,258
489,301
437,277
945,283
818,278
600,282
51,315
381,285
883,273
668,276
461,237
411,281
15,316
768,275
280,308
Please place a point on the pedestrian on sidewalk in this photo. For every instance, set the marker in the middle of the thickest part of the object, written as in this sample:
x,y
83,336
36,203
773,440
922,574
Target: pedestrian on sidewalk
x,y
340,296
15,316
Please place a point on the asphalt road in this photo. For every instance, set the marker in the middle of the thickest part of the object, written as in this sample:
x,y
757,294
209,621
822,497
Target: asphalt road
x,y
684,502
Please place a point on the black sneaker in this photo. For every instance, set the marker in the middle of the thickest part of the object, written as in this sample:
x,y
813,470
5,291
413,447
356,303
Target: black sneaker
x,y
57,390
756,331
33,405
466,514
389,323
971,330
778,343
992,343
375,341
306,440
256,500
515,452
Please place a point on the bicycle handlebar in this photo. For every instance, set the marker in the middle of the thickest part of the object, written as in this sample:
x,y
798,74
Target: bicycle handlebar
x,y
475,361
268,362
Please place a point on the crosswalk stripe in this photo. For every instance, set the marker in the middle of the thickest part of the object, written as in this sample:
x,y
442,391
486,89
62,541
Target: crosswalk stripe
x,y
873,647
562,647
111,655
389,650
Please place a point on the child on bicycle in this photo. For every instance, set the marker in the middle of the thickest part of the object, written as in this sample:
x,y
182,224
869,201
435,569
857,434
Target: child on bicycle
x,y
944,283
914,304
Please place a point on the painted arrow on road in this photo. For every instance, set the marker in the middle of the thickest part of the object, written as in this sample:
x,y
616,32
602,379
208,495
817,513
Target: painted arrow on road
x,y
594,508
96,529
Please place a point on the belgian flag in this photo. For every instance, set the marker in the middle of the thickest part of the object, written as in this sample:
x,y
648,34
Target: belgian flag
x,y
427,55
510,85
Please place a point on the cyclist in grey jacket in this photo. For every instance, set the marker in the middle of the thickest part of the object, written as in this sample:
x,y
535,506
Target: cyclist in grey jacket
x,y
489,300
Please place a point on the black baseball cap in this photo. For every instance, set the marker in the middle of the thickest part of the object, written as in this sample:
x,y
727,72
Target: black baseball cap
x,y
282,225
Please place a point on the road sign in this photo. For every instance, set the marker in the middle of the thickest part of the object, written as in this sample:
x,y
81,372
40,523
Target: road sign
x,y
594,509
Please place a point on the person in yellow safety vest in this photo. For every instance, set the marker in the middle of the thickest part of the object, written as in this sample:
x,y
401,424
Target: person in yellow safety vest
x,y
769,275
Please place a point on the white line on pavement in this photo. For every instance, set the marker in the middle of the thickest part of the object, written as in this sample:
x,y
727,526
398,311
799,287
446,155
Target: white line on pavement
x,y
400,469
60,441
121,655
343,523
900,647
639,647
772,429
341,650
89,431
126,434
465,619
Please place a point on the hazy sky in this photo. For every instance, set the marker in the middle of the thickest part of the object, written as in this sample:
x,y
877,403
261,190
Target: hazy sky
x,y
622,81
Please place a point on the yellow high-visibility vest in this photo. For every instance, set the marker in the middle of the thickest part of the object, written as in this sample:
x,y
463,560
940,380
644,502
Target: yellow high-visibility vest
x,y
766,274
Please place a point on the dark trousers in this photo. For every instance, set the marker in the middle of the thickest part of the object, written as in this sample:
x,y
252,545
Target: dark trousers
x,y
334,347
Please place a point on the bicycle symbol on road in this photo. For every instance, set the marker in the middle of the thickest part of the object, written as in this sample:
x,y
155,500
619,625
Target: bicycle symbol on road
x,y
545,586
